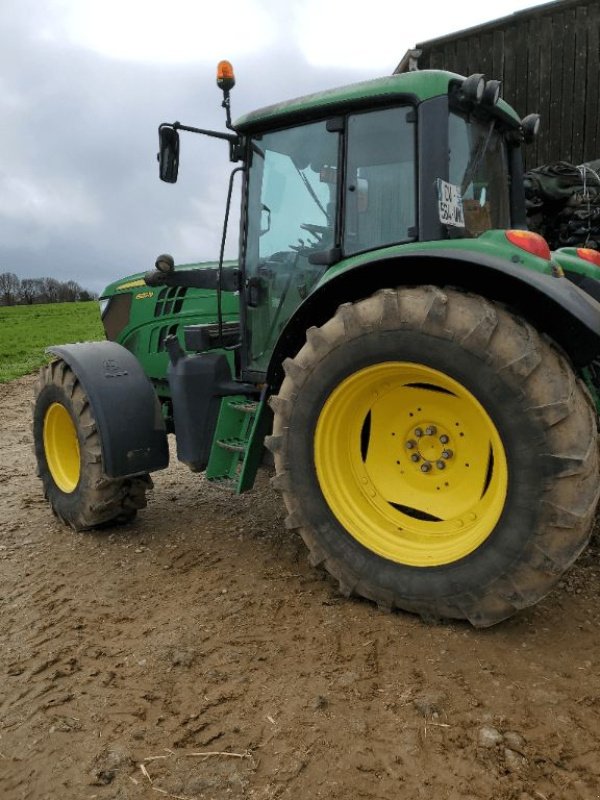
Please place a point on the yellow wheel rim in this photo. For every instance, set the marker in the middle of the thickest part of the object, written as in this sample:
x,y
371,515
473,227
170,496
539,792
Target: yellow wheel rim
x,y
411,464
61,447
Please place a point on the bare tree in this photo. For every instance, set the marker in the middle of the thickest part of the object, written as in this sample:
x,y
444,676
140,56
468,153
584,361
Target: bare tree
x,y
39,290
86,296
29,290
51,290
9,288
70,291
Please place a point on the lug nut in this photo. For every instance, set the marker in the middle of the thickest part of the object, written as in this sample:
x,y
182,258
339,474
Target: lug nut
x,y
418,433
440,464
415,457
425,467
444,439
410,445
447,453
431,430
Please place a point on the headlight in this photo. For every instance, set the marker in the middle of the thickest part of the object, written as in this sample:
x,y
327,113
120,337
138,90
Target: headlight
x,y
103,303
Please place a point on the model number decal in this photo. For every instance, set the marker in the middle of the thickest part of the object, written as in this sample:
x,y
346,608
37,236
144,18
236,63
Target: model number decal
x,y
450,205
144,295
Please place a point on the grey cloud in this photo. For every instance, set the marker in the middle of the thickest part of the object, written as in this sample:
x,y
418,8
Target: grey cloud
x,y
79,191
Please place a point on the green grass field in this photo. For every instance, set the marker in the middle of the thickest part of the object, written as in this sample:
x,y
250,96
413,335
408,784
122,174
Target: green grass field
x,y
25,332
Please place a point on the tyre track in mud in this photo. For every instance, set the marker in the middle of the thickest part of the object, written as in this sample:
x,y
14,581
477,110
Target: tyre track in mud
x,y
202,628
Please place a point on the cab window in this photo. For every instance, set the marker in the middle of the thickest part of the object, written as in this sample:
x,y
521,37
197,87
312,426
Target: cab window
x,y
380,192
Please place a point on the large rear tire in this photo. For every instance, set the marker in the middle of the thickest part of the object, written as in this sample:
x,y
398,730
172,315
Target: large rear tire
x,y
69,458
437,454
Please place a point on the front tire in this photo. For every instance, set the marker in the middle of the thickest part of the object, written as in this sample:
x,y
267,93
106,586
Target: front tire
x,y
436,454
69,458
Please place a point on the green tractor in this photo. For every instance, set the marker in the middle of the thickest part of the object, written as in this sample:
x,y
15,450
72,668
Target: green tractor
x,y
411,355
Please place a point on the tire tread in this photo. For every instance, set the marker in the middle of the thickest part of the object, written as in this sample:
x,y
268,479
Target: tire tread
x,y
534,366
102,500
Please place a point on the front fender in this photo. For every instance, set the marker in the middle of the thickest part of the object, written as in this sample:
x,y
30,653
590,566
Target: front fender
x,y
125,407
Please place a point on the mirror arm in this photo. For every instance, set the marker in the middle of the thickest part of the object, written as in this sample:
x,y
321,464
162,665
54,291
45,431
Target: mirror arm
x,y
228,137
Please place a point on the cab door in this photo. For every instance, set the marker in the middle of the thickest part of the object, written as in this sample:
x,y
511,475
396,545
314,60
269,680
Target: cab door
x,y
292,211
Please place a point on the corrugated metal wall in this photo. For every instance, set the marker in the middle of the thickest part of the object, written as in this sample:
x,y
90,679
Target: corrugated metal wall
x,y
548,59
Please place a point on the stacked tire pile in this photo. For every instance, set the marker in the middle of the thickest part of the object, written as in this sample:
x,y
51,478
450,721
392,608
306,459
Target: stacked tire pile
x,y
563,204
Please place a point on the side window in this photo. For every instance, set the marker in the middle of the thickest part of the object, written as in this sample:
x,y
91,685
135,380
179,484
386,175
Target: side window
x,y
380,190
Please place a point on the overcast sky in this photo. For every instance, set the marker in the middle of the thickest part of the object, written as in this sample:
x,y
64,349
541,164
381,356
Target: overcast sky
x,y
84,85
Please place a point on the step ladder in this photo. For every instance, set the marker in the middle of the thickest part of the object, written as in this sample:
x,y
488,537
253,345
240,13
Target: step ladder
x,y
237,448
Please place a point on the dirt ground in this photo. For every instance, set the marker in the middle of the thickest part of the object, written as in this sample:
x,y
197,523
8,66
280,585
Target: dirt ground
x,y
202,629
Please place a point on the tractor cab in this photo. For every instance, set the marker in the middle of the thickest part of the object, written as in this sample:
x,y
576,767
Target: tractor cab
x,y
420,157
390,165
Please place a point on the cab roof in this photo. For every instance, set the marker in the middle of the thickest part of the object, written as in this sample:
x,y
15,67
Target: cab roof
x,y
413,87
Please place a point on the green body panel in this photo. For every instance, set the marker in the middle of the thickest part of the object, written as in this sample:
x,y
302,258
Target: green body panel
x,y
567,258
570,262
490,243
423,85
157,311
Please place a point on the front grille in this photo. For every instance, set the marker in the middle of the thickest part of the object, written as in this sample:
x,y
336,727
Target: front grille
x,y
169,301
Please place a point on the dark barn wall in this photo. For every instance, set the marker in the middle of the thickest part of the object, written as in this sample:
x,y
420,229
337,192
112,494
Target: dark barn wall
x,y
548,59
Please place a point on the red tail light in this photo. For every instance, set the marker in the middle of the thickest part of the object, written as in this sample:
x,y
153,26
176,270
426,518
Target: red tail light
x,y
532,242
589,255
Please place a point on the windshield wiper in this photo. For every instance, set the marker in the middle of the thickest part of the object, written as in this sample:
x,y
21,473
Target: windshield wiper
x,y
476,159
311,191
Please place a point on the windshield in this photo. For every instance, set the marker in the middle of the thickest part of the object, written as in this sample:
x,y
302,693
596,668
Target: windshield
x,y
292,208
479,168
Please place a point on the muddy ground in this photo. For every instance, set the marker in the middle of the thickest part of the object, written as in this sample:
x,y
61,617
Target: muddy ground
x,y
202,629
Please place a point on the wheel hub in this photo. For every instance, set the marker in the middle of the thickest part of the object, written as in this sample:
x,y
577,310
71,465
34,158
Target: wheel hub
x,y
430,447
411,463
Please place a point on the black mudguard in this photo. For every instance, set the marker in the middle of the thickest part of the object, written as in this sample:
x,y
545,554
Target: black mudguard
x,y
124,404
589,285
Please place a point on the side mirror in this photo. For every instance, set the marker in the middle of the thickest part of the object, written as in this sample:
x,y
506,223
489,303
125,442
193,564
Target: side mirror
x,y
168,153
